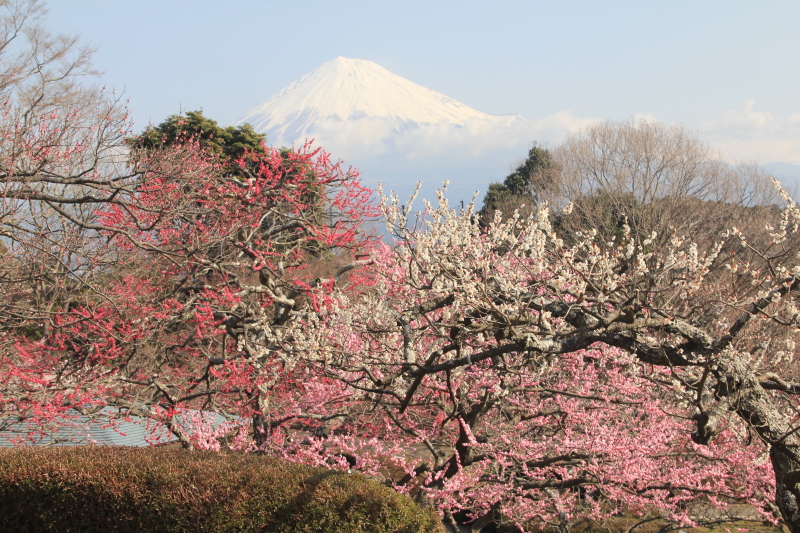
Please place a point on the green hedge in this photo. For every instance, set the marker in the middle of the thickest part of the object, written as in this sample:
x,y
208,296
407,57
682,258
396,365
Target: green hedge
x,y
116,489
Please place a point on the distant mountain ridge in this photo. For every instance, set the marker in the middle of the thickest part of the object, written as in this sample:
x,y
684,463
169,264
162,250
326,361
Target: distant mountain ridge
x,y
352,90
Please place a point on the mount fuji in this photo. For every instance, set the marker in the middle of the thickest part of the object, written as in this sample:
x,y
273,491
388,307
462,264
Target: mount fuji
x,y
345,90
396,131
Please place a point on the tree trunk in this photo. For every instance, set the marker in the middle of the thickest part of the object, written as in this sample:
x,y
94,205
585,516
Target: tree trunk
x,y
786,466
751,403
259,430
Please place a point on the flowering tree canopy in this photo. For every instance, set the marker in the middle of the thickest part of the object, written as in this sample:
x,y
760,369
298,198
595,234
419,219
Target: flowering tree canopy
x,y
528,368
173,288
549,381
502,371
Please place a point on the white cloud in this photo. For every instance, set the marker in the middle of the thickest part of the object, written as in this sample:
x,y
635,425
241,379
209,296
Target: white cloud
x,y
371,137
481,150
470,156
645,117
751,134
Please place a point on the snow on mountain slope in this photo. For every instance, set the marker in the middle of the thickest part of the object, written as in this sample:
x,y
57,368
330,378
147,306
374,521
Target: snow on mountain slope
x,y
397,132
355,89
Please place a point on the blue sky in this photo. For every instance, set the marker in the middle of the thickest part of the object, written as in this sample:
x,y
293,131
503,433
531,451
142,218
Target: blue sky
x,y
728,69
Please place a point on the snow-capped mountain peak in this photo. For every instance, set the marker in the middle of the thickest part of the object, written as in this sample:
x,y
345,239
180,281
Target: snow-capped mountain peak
x,y
351,89
397,132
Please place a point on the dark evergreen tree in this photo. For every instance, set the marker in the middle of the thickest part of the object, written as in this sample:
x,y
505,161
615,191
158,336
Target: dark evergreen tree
x,y
230,145
535,175
527,185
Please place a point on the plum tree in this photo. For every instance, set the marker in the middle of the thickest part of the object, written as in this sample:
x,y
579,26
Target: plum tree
x,y
552,381
494,366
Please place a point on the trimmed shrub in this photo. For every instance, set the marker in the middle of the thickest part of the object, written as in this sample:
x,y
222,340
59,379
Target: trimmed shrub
x,y
121,490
